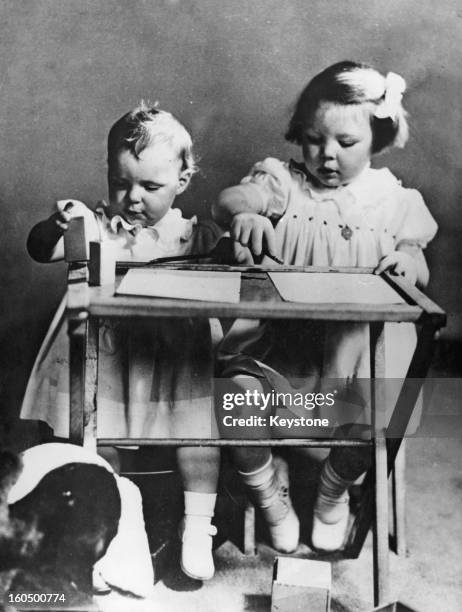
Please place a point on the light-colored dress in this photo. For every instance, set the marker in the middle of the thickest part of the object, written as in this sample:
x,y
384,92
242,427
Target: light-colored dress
x,y
355,225
154,376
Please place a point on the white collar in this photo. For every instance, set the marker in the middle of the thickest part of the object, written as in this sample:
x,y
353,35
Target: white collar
x,y
368,181
171,225
372,183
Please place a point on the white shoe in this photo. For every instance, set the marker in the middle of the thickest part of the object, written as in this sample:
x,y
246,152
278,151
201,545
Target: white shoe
x,y
196,549
285,533
330,522
283,523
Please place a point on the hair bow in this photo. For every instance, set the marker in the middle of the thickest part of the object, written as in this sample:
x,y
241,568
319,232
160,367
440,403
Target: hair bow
x,y
395,86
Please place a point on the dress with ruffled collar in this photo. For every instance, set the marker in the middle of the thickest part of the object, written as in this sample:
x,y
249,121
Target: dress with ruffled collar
x,y
171,235
352,225
155,375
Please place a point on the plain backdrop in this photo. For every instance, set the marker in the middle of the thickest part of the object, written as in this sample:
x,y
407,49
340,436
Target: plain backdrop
x,y
231,71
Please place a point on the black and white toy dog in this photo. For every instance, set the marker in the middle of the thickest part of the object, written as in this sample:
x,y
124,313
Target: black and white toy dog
x,y
61,507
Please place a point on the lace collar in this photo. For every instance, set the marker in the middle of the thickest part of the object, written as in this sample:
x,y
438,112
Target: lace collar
x,y
172,225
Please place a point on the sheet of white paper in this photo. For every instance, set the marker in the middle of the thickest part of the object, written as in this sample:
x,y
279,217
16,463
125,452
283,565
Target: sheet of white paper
x,y
334,288
201,285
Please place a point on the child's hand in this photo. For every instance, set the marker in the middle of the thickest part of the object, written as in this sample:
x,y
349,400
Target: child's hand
x,y
62,217
242,254
254,231
399,263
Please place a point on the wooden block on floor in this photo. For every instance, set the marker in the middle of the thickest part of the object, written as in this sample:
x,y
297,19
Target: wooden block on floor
x,y
393,607
301,585
75,243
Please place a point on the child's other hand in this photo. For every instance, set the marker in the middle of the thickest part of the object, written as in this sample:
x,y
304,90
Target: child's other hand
x,y
399,263
62,217
242,254
254,231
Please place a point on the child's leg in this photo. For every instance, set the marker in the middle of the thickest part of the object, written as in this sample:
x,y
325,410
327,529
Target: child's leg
x,y
268,486
199,469
331,510
250,458
267,481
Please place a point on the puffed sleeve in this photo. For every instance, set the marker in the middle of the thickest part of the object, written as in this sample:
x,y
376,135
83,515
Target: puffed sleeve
x,y
418,226
271,179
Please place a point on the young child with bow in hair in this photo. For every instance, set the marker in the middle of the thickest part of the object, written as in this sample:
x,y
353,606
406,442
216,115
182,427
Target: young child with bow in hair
x,y
329,209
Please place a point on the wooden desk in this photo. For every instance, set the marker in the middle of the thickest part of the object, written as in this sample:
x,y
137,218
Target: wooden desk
x,y
259,299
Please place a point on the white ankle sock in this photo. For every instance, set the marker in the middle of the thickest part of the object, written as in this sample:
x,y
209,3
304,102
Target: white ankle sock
x,y
331,511
199,505
331,504
264,488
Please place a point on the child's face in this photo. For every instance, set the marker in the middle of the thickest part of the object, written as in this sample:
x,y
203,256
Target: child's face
x,y
337,143
143,189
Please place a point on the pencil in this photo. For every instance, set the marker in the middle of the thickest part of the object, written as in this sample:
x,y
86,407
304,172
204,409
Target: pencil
x,y
274,258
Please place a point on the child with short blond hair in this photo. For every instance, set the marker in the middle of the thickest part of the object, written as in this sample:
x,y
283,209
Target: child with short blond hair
x,y
154,377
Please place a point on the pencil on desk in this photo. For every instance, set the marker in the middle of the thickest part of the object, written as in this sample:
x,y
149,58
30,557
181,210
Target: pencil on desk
x,y
222,253
274,258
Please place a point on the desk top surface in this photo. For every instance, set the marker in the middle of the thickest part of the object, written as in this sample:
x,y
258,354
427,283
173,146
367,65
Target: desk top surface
x,y
259,299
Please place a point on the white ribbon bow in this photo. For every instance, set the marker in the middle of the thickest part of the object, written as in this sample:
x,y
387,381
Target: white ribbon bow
x,y
395,86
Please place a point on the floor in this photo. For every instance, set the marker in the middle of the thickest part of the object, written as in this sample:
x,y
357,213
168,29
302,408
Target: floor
x,y
427,579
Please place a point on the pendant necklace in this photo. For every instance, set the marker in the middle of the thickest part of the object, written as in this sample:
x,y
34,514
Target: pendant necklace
x,y
346,232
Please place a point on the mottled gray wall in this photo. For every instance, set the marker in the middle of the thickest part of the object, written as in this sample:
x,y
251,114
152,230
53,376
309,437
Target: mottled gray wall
x,y
231,71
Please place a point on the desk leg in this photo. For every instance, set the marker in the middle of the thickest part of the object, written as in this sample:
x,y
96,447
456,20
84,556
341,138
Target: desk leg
x,y
410,390
380,534
77,330
396,430
91,384
374,503
249,530
399,501
83,367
